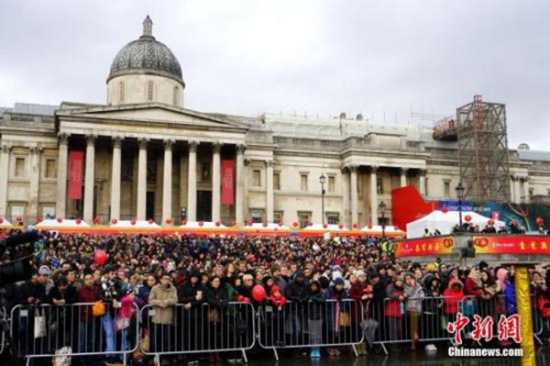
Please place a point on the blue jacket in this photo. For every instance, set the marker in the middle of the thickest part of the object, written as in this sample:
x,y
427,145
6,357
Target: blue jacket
x,y
510,298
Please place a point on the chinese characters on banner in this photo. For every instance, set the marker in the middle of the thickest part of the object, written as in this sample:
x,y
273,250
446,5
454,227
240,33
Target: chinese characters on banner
x,y
425,246
76,169
227,182
511,244
507,327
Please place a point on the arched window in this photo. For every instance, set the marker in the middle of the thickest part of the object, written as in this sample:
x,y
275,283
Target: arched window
x,y
121,92
150,86
176,96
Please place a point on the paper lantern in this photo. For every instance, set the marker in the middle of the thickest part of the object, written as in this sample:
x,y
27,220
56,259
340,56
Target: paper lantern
x,y
101,257
369,226
114,221
78,221
445,209
133,222
150,221
59,219
468,218
218,224
340,226
40,219
310,223
280,223
168,221
249,223
233,222
184,222
539,220
97,220
19,219
258,293
354,226
201,224
294,224
264,224
325,226
490,222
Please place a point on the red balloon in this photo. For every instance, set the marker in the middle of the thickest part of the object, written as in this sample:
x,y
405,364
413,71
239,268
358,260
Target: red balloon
x,y
79,221
218,223
168,221
340,226
40,219
258,293
468,218
246,299
101,257
240,298
445,209
184,222
114,221
133,222
491,222
59,219
201,223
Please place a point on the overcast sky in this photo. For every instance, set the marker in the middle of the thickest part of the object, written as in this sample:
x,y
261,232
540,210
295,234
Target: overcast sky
x,y
380,58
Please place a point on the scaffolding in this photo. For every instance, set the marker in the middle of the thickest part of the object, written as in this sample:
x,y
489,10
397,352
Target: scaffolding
x,y
483,151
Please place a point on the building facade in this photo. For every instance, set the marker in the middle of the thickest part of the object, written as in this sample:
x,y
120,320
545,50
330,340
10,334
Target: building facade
x,y
147,156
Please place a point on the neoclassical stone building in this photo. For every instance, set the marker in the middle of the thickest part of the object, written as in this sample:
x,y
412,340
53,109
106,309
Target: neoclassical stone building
x,y
147,156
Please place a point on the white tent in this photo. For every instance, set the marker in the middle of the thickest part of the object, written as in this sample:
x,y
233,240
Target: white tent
x,y
140,224
389,229
63,223
205,225
445,222
5,223
330,227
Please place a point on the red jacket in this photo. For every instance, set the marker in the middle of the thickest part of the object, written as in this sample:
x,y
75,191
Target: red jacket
x,y
356,292
451,299
280,301
87,294
472,288
393,305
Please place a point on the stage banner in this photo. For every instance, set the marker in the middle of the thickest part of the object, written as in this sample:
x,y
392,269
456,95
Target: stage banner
x,y
76,172
522,244
438,245
228,167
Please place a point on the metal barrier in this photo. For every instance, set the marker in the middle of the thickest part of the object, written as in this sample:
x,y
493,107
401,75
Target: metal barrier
x,y
330,323
178,330
43,331
4,325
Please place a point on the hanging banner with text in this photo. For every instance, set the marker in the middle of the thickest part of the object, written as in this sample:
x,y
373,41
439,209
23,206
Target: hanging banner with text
x,y
228,167
76,169
522,244
425,246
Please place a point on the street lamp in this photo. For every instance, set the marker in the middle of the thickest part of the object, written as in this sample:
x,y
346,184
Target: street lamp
x,y
323,180
460,195
382,213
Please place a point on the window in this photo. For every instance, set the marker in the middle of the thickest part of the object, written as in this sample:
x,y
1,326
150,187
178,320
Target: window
x,y
50,168
150,86
279,216
257,216
121,92
333,218
176,96
379,186
426,186
447,189
256,178
303,182
205,173
276,181
303,218
531,192
331,184
20,167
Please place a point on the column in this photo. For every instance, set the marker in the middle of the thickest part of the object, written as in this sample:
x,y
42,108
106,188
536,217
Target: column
x,y
216,182
517,186
422,178
354,198
90,180
115,178
269,190
167,182
35,181
512,189
62,159
345,197
373,196
239,192
142,180
526,188
403,176
4,171
192,182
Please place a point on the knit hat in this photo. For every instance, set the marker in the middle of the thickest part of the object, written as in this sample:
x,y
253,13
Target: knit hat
x,y
339,281
44,271
359,273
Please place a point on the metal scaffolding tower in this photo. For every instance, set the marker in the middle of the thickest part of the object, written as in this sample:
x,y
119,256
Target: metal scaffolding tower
x,y
483,151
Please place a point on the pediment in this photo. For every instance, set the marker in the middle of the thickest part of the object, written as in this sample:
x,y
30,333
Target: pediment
x,y
153,113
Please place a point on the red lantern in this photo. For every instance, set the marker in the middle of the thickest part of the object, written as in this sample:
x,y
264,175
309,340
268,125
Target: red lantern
x,y
445,209
101,257
114,221
325,226
490,222
249,223
201,224
264,224
294,224
354,226
1,220
369,226
78,221
97,220
233,222
280,223
539,220
218,224
258,293
184,222
468,218
40,219
59,219
133,222
168,221
150,221
340,226
19,219
310,223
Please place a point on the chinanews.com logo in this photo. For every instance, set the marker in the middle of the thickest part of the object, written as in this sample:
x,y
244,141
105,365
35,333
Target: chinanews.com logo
x,y
482,329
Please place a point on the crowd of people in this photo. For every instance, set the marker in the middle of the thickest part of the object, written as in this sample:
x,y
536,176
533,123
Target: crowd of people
x,y
392,299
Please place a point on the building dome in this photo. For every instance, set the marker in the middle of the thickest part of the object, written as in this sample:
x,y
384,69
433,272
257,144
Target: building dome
x,y
146,56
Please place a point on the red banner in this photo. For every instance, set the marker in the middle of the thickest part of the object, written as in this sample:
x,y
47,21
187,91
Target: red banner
x,y
227,182
76,170
523,244
426,246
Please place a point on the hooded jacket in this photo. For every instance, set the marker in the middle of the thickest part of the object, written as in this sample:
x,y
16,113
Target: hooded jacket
x,y
453,295
277,301
316,301
393,305
295,291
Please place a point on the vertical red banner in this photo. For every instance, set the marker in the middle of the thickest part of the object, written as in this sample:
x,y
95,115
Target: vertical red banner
x,y
228,166
76,172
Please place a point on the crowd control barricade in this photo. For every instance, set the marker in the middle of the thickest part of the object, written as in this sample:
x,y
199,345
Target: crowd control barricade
x,y
329,323
45,331
392,321
3,328
178,330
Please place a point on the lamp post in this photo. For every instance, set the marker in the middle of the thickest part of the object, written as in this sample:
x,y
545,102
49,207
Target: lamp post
x,y
382,212
460,195
322,180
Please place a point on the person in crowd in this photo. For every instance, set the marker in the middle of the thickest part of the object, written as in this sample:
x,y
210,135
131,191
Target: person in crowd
x,y
415,296
337,313
88,293
361,291
110,292
216,298
395,309
315,317
162,297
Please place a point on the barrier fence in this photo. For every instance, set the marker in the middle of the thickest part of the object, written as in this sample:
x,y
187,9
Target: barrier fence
x,y
48,331
327,323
